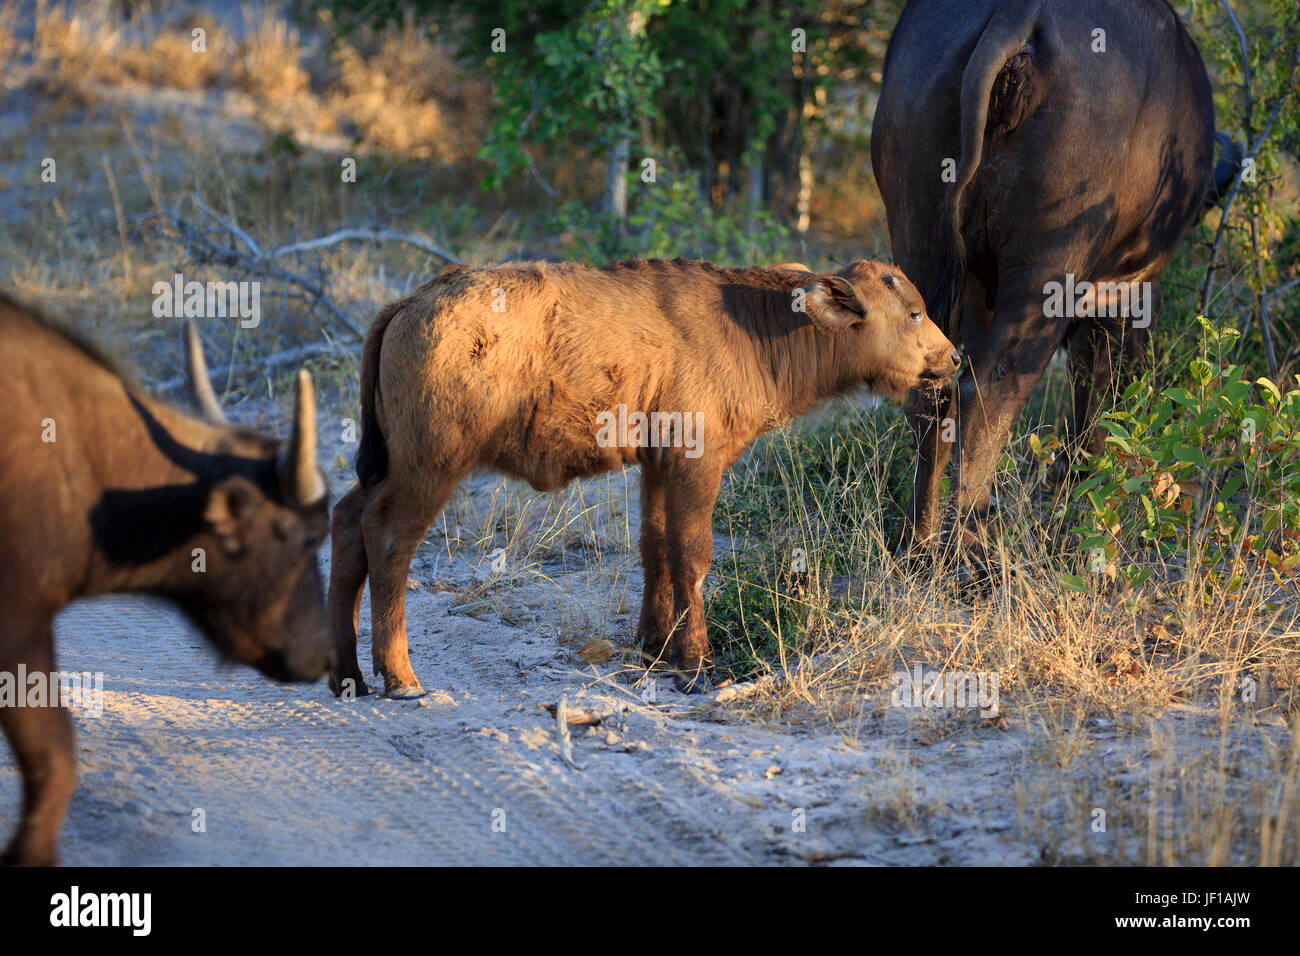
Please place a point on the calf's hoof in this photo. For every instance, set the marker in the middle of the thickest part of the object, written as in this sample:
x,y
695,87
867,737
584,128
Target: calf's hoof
x,y
916,559
404,691
696,683
651,655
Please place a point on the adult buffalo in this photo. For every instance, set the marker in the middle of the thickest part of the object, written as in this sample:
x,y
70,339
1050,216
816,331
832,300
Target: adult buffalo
x,y
1040,160
104,490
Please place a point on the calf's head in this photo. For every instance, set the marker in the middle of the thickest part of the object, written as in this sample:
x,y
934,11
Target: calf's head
x,y
882,334
259,598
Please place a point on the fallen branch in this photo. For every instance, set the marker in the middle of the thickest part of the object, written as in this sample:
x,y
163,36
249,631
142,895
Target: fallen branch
x,y
201,249
580,716
247,255
363,235
324,242
288,356
734,692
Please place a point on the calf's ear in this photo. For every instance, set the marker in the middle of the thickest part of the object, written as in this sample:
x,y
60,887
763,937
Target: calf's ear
x,y
833,303
230,510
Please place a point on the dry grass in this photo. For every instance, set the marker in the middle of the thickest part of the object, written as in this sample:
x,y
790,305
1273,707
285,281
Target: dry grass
x,y
1214,678
392,90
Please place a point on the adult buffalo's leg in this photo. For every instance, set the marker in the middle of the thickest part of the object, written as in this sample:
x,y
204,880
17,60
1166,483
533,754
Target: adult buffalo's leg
x,y
657,595
1007,360
690,490
1135,352
930,413
393,526
42,742
1106,354
348,569
1090,352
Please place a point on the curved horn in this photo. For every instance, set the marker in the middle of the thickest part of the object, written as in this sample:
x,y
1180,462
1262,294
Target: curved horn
x,y
200,385
300,477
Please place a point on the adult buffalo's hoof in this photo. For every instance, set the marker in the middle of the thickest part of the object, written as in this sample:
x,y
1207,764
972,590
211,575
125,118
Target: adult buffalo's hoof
x,y
697,683
404,692
973,580
915,560
349,686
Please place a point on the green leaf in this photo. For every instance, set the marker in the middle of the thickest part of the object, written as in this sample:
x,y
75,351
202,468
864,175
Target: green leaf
x,y
1271,388
1135,579
1150,510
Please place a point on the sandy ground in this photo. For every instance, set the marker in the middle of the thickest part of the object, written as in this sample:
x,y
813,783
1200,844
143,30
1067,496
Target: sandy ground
x,y
477,772
473,773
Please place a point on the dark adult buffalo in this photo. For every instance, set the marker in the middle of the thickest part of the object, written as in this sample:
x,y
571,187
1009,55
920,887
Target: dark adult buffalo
x,y
1018,144
103,489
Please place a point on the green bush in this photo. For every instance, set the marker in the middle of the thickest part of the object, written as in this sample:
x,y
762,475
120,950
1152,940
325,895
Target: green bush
x,y
1208,473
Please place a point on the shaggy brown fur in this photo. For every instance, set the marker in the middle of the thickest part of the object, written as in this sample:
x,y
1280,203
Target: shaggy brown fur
x,y
117,501
520,368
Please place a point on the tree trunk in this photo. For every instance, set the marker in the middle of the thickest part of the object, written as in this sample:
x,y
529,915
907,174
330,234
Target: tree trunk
x,y
616,177
615,201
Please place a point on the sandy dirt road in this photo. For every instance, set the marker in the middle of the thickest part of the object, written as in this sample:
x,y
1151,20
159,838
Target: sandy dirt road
x,y
474,772
471,774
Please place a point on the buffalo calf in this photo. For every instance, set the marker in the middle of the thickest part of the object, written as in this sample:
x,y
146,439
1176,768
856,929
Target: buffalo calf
x,y
104,490
555,372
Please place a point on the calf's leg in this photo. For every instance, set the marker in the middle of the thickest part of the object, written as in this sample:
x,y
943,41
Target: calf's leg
x,y
657,594
348,569
689,497
393,526
42,742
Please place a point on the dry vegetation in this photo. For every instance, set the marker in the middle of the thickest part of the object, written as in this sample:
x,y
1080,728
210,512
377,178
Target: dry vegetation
x,y
1127,701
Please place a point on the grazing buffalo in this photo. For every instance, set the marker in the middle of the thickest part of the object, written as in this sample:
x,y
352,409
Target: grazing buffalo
x,y
555,372
105,490
1040,160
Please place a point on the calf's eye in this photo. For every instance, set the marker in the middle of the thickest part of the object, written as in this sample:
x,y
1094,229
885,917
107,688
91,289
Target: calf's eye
x,y
915,317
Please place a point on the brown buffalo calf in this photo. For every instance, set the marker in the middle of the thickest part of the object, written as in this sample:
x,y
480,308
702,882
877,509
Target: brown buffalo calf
x,y
103,489
555,372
